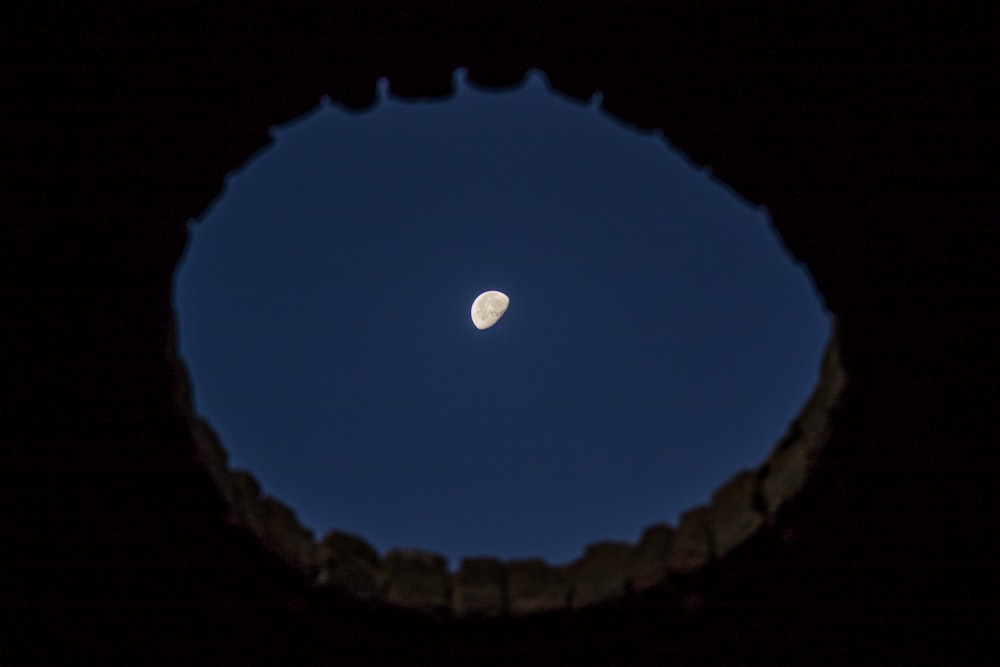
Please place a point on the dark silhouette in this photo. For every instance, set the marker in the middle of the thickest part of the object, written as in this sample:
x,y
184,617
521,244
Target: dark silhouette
x,y
874,155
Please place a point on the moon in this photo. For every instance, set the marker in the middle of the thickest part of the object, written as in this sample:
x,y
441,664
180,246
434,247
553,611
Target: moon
x,y
488,308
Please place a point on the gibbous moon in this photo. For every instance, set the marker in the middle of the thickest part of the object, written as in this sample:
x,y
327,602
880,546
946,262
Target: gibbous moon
x,y
488,308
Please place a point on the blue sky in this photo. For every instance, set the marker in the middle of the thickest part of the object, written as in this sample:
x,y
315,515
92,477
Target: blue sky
x,y
658,339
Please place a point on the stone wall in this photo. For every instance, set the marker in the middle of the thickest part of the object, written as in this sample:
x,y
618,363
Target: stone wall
x,y
489,587
871,138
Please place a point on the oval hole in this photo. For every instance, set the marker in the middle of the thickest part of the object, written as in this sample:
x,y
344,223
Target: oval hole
x,y
658,339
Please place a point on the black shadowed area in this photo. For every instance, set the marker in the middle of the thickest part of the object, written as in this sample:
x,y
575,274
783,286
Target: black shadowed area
x,y
873,154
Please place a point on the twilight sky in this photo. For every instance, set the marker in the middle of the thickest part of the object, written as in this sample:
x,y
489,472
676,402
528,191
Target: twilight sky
x,y
658,339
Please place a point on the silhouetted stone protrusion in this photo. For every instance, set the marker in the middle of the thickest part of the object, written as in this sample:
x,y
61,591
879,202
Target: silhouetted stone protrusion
x,y
734,517
788,466
648,565
534,586
478,588
416,580
348,562
243,494
692,544
211,454
287,537
601,573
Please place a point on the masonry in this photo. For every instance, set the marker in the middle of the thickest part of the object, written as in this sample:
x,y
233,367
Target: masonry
x,y
486,587
868,536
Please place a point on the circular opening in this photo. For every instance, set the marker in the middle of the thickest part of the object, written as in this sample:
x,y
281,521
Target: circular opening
x,y
658,336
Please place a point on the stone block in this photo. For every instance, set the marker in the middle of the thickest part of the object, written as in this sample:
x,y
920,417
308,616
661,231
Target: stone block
x,y
534,586
417,580
812,419
210,453
243,494
785,472
284,535
348,562
601,574
647,566
734,517
692,544
788,466
478,588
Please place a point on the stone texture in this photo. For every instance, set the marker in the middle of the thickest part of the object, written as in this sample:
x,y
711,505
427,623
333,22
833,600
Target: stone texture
x,y
210,453
601,574
283,533
734,517
267,518
479,588
813,419
787,468
270,520
880,178
244,497
534,586
416,580
692,544
647,566
348,562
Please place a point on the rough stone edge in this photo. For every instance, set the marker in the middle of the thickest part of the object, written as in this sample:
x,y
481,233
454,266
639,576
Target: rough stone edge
x,y
420,580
